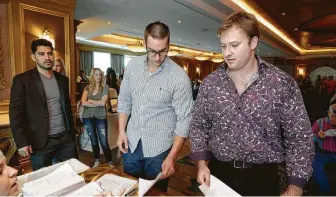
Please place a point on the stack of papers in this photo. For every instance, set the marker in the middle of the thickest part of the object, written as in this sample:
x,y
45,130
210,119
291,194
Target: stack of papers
x,y
217,188
60,182
119,186
90,189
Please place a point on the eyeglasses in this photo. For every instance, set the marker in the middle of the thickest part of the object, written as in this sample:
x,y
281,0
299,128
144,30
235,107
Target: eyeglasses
x,y
160,53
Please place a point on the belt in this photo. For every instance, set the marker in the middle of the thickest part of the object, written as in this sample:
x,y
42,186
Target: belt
x,y
246,165
326,151
58,134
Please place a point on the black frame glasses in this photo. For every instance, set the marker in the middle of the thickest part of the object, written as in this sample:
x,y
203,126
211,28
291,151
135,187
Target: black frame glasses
x,y
153,53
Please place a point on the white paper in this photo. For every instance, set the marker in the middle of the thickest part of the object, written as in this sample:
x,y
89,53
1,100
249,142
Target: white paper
x,y
330,132
217,188
89,189
60,181
145,185
119,186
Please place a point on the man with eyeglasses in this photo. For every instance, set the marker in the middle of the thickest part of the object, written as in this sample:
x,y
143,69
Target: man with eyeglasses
x,y
157,93
249,117
325,151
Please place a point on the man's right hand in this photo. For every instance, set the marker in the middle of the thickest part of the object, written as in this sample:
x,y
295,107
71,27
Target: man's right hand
x,y
321,134
122,140
203,174
25,151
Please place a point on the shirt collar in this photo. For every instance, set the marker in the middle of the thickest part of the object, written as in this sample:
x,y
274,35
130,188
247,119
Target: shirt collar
x,y
261,63
163,65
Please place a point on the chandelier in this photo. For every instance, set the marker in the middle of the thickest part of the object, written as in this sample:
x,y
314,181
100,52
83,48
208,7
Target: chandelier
x,y
217,59
46,35
136,47
201,57
173,52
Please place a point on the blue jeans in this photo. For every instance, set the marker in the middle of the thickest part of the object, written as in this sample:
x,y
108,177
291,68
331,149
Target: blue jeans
x,y
98,128
137,165
319,174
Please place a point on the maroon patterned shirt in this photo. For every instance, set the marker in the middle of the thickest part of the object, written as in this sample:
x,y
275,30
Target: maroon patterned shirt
x,y
267,123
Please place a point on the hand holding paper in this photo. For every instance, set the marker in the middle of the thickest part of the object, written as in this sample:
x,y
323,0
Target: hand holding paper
x,y
217,188
145,185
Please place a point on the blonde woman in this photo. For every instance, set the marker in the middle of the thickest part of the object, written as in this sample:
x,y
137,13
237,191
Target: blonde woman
x,y
59,65
94,100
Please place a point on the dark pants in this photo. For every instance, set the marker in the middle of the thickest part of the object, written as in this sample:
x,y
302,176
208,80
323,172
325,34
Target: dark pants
x,y
137,165
61,145
97,128
319,170
260,180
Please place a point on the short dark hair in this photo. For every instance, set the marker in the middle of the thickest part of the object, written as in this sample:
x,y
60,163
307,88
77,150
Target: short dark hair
x,y
40,42
157,30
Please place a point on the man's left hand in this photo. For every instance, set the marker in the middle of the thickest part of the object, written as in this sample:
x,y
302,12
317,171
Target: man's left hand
x,y
168,167
293,190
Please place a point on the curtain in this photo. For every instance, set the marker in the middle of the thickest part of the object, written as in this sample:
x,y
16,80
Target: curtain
x,y
86,61
117,63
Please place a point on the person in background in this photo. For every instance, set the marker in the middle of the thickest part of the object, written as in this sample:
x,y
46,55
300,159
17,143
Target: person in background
x,y
94,100
111,79
248,118
81,78
8,180
59,66
325,151
156,92
40,110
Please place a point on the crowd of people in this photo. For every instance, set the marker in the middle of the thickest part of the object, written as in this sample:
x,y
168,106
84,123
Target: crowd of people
x,y
248,118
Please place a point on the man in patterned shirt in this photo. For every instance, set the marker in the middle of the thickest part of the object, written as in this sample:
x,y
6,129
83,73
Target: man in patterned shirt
x,y
325,138
248,117
156,92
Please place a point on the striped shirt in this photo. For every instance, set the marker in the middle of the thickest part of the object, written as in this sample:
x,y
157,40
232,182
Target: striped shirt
x,y
328,143
159,103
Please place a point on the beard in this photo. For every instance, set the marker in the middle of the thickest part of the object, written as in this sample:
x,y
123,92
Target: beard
x,y
44,67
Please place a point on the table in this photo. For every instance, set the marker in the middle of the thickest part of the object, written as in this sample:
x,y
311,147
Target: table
x,y
95,173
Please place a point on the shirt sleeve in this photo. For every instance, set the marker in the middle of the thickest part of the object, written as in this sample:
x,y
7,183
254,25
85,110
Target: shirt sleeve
x,y
125,94
200,126
298,136
106,90
182,103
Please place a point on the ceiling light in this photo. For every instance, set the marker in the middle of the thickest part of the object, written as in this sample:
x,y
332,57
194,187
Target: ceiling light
x,y
208,47
217,59
258,49
296,29
173,52
179,21
78,30
109,23
284,13
179,39
136,47
201,57
269,53
136,29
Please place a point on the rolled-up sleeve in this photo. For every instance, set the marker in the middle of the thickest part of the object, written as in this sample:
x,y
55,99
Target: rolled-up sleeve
x,y
182,104
125,95
199,127
298,136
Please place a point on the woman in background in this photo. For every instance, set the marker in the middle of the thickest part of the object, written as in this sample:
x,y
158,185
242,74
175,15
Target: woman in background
x,y
59,66
94,100
8,180
111,79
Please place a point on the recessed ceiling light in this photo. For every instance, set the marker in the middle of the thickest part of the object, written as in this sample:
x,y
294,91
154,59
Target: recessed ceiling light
x,y
296,29
218,35
179,39
258,49
284,13
78,30
208,47
179,21
109,23
269,53
136,29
